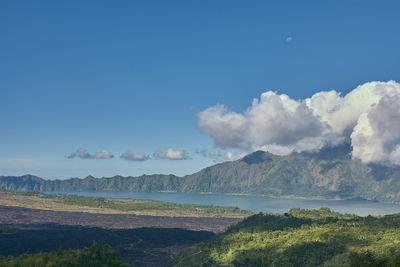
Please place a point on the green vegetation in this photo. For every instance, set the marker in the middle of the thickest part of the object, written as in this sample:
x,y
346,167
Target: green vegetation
x,y
8,230
328,174
96,255
302,238
106,205
150,205
368,259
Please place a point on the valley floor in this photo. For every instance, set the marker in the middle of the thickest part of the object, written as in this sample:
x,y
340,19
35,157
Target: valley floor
x,y
144,233
141,240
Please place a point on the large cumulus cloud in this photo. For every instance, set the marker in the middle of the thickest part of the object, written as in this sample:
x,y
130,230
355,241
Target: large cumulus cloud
x,y
367,117
376,136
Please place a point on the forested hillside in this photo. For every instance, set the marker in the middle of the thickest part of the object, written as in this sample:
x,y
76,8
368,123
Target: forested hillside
x,y
302,238
96,255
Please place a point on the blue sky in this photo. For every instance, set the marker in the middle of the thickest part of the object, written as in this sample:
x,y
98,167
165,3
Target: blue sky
x,y
119,75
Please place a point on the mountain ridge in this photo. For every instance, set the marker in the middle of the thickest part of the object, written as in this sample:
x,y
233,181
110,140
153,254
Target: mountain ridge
x,y
326,174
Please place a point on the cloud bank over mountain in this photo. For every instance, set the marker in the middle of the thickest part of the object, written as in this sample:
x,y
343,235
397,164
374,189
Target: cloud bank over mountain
x,y
368,118
220,156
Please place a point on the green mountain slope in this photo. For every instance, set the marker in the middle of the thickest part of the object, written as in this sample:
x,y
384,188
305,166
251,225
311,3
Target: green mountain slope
x,y
302,238
328,174
144,183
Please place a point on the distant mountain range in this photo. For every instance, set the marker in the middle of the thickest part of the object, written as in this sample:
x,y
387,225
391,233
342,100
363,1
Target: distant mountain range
x,y
327,174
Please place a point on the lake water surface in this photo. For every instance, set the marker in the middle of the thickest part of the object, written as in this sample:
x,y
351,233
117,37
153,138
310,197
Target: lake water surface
x,y
256,203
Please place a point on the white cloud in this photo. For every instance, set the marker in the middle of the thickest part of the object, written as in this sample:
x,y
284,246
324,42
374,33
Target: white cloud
x,y
83,154
171,154
128,155
289,39
274,123
367,117
342,113
376,137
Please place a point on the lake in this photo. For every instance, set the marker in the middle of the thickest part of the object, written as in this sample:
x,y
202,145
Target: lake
x,y
256,203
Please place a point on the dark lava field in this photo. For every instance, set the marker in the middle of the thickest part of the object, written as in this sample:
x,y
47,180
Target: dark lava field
x,y
139,239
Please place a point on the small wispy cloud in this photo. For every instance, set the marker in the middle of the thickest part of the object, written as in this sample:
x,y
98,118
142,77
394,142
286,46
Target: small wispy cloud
x,y
171,154
83,154
140,156
219,156
289,39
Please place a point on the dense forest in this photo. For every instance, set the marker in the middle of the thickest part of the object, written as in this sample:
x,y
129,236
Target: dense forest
x,y
302,238
97,255
327,174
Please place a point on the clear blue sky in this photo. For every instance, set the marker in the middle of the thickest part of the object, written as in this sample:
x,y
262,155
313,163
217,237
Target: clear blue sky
x,y
120,75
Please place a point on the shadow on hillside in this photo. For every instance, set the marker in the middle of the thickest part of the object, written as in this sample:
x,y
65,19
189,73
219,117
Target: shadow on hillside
x,y
381,172
330,153
257,157
269,222
138,247
305,254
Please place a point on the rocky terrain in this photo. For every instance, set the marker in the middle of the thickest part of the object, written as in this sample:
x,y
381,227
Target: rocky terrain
x,y
31,217
140,240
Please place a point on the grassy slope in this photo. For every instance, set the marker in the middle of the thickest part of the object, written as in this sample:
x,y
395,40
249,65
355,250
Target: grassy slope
x,y
38,200
302,238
